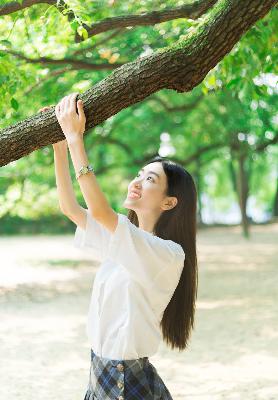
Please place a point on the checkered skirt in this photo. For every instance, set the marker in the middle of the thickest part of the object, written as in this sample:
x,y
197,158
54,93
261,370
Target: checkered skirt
x,y
124,380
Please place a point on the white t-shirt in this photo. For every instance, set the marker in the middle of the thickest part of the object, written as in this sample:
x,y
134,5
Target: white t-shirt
x,y
136,279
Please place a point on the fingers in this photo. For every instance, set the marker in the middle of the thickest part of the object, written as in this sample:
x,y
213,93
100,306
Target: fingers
x,y
80,110
72,101
67,103
62,104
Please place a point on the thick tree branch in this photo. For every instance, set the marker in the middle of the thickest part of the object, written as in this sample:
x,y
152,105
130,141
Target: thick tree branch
x,y
181,67
190,10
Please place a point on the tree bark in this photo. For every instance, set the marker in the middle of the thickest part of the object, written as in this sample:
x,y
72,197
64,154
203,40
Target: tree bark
x,y
180,67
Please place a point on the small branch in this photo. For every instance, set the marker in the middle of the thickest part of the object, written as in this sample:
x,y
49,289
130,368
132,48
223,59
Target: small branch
x,y
55,72
100,42
193,11
260,147
15,6
77,64
181,108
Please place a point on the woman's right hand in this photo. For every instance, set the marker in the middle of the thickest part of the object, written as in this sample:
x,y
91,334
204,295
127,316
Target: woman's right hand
x,y
62,143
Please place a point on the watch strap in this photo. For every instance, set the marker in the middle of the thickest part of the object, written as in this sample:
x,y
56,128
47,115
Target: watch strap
x,y
84,170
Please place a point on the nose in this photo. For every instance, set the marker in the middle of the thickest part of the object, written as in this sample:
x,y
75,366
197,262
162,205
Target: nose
x,y
137,184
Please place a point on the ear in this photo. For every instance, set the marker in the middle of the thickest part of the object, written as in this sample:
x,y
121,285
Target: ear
x,y
169,203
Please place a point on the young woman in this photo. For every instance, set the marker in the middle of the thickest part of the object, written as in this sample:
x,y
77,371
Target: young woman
x,y
146,286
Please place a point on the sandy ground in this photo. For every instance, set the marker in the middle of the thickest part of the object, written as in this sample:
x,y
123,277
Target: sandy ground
x,y
45,286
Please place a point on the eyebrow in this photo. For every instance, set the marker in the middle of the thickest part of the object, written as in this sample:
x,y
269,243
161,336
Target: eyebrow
x,y
150,172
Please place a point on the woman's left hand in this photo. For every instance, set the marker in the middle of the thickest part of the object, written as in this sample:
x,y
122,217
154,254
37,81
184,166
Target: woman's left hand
x,y
72,124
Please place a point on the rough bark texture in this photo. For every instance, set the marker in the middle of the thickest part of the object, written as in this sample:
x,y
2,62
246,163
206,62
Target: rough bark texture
x,y
181,67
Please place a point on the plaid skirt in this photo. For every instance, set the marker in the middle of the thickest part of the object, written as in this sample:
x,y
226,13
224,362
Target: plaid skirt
x,y
124,380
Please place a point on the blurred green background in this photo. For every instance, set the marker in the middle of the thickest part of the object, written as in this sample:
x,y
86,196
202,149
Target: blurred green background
x,y
223,132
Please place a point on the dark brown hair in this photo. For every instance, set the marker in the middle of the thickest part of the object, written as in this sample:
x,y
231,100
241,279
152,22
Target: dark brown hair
x,y
179,224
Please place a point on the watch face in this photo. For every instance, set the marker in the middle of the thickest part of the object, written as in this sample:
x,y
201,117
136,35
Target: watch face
x,y
84,170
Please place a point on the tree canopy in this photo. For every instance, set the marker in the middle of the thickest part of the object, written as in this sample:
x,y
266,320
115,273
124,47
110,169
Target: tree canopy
x,y
192,80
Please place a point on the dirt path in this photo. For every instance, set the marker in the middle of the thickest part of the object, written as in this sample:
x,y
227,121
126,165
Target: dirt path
x,y
45,286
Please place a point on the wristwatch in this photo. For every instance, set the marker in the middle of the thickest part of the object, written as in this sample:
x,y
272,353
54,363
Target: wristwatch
x,y
84,170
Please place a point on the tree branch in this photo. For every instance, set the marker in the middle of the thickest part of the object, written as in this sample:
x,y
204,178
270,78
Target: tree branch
x,y
180,67
181,108
51,74
262,146
77,64
15,6
192,10
102,41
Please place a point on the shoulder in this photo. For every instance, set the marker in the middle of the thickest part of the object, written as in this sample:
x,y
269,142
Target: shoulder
x,y
178,248
155,240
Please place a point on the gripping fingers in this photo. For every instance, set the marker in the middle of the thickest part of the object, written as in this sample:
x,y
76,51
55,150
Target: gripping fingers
x,y
72,102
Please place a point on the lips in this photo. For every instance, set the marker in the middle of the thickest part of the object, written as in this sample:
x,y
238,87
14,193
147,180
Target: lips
x,y
134,194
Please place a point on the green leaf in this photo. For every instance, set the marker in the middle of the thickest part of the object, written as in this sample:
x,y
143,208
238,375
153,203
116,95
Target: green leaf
x,y
74,25
82,32
211,80
5,42
233,82
14,104
4,78
205,90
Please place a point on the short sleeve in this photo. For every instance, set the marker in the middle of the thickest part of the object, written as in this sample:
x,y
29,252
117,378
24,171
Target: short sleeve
x,y
95,238
144,255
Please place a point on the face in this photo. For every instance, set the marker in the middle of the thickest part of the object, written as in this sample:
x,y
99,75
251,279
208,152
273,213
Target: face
x,y
151,184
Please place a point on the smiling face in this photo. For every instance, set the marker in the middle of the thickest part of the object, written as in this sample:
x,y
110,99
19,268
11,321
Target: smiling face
x,y
151,185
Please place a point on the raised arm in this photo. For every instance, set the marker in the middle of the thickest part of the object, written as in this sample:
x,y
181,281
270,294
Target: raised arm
x,y
73,126
66,196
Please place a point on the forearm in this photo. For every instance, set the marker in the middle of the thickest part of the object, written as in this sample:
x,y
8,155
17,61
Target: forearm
x,y
92,193
66,195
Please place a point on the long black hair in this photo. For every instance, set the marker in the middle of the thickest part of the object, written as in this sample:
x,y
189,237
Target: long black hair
x,y
179,224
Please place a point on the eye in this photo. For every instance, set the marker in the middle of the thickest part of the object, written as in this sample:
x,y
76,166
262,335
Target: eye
x,y
148,176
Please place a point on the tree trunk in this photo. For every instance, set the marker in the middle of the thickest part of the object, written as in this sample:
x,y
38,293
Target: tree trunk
x,y
243,189
232,173
181,67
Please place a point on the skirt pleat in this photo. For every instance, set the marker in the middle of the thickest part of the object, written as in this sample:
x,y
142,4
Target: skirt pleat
x,y
134,379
